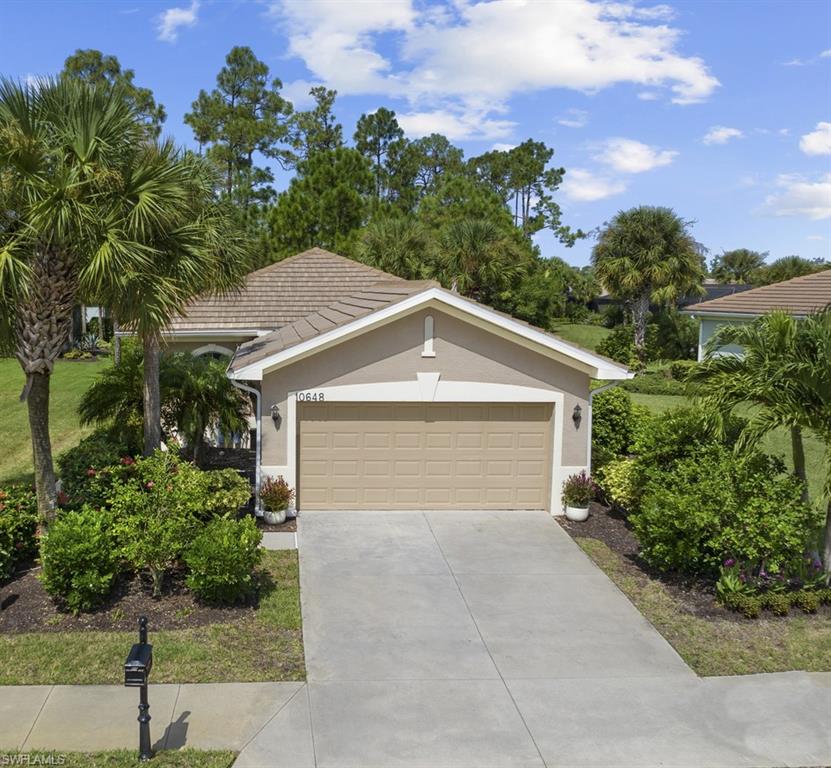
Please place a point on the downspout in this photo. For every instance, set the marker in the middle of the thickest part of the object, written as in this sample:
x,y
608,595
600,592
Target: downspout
x,y
589,419
258,451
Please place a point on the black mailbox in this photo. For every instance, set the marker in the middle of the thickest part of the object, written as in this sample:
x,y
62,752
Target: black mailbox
x,y
138,665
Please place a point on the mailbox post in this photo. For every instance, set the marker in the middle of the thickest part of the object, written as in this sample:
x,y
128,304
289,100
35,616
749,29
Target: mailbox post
x,y
136,673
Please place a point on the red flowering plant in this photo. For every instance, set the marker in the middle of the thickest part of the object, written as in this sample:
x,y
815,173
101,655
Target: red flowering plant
x,y
18,525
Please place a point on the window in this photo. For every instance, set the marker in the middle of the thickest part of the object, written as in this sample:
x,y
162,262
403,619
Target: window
x,y
428,350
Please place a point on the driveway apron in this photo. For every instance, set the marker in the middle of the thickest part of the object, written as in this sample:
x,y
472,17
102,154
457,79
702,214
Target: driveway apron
x,y
489,639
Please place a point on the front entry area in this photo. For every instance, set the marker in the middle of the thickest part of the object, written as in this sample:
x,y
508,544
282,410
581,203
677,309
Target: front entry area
x,y
412,456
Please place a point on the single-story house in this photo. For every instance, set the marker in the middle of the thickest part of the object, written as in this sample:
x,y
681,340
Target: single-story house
x,y
379,393
799,296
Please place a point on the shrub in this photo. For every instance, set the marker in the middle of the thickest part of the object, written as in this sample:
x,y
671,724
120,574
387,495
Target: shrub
x,y
620,345
676,336
155,507
18,524
613,425
578,490
222,558
619,481
223,491
778,603
654,383
276,494
715,505
807,600
680,368
79,558
80,465
750,606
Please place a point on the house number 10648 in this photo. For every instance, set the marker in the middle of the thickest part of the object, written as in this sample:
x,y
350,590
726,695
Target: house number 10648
x,y
310,397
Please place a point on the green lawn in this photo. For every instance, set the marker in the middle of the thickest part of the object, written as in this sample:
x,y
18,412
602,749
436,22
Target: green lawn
x,y
128,758
584,334
777,443
719,646
69,381
265,648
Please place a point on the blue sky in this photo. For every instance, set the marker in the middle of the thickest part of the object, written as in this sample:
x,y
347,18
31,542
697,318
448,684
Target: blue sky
x,y
721,110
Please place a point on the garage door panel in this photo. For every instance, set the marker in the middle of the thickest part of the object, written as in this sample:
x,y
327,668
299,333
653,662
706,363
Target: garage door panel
x,y
424,455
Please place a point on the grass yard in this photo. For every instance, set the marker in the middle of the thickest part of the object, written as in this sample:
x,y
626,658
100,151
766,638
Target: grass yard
x,y
69,381
265,648
584,334
124,758
719,647
777,443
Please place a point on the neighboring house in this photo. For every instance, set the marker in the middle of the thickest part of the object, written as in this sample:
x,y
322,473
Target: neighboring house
x,y
379,393
799,296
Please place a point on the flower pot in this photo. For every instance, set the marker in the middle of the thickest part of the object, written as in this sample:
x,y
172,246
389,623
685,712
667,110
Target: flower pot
x,y
577,514
274,517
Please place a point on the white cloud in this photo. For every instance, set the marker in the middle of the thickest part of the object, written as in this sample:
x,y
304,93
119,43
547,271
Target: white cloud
x,y
500,147
801,197
794,63
648,96
455,125
815,237
574,118
585,186
818,142
470,57
170,20
720,134
630,156
826,54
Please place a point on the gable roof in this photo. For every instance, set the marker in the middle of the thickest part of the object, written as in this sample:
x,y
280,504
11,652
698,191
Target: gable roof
x,y
373,307
799,296
281,294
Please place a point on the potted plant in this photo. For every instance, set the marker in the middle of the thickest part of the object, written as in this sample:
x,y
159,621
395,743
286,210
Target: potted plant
x,y
276,495
578,491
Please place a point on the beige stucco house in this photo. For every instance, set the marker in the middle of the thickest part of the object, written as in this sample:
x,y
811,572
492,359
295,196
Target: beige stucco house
x,y
379,393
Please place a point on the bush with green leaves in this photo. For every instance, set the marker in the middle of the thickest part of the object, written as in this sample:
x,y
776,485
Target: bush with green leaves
x,y
222,558
80,465
614,424
620,345
619,481
80,558
224,492
714,505
680,368
18,524
155,505
655,383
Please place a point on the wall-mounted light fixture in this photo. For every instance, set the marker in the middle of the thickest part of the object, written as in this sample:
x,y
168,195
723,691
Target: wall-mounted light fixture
x,y
577,415
275,416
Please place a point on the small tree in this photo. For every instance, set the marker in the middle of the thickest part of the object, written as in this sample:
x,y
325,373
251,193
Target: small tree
x,y
646,255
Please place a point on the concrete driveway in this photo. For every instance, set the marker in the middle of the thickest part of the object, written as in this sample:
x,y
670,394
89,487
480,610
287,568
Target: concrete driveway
x,y
437,640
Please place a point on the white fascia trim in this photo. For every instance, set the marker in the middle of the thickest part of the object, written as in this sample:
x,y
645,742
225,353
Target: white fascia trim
x,y
205,333
727,315
594,365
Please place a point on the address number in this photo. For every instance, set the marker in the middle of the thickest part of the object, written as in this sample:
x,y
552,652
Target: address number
x,y
310,397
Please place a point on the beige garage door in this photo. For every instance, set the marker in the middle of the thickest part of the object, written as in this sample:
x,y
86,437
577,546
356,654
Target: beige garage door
x,y
424,456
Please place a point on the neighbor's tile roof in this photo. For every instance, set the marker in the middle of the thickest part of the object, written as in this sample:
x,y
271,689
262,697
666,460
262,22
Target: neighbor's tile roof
x,y
344,310
282,293
799,296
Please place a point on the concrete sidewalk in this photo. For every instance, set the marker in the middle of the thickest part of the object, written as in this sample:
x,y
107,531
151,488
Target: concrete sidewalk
x,y
88,718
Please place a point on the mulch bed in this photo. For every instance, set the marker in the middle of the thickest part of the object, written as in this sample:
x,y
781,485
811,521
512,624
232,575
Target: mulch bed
x,y
290,526
26,607
694,596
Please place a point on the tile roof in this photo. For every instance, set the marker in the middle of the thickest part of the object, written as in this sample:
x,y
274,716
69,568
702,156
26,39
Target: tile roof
x,y
340,312
799,296
282,293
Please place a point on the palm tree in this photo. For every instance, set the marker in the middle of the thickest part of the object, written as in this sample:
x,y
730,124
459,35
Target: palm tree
x,y
61,145
759,377
737,266
193,246
810,366
646,255
194,392
399,245
478,259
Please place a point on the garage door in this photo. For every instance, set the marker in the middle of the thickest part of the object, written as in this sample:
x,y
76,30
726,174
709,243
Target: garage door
x,y
424,456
